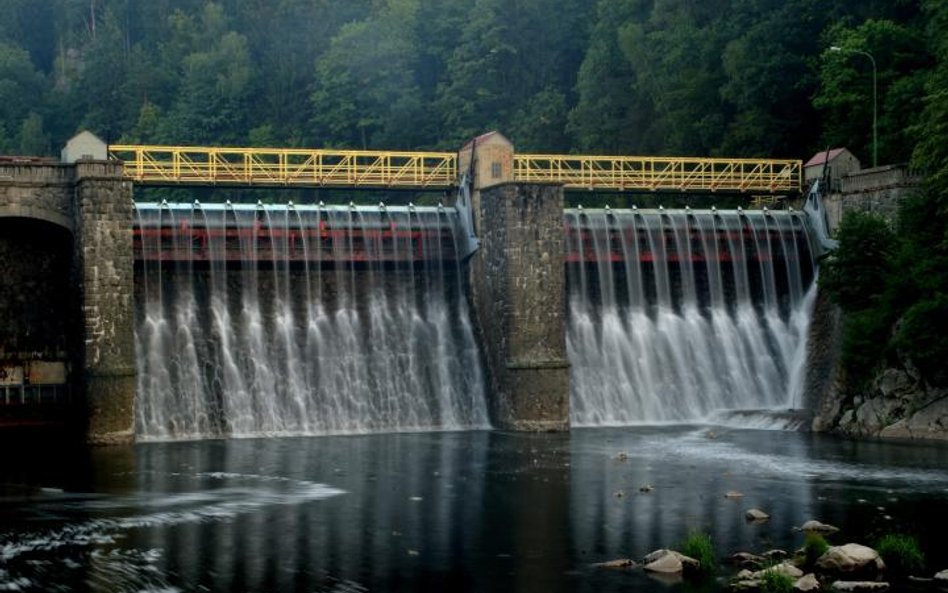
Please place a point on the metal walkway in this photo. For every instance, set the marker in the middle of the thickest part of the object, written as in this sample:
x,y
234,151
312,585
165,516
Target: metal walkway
x,y
347,169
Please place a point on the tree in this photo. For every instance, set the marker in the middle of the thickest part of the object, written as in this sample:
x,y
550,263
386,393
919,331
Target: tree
x,y
21,86
845,94
366,94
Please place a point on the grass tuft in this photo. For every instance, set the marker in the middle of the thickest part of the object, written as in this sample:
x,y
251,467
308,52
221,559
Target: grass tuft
x,y
774,581
698,546
901,554
814,546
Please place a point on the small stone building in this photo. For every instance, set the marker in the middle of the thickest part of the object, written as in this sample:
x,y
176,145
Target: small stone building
x,y
839,162
84,146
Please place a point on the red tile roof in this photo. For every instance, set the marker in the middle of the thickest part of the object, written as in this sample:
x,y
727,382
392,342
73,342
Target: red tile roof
x,y
824,156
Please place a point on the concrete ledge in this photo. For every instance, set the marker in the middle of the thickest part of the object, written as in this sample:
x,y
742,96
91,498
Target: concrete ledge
x,y
515,365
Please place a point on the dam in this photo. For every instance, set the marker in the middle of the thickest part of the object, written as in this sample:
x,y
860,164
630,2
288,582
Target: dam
x,y
503,309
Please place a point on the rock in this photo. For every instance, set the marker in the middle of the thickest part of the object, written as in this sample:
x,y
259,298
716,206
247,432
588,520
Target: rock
x,y
619,494
747,559
859,586
756,515
894,383
744,575
653,556
621,456
733,494
807,582
746,585
617,563
658,559
941,577
817,527
850,558
782,568
646,488
690,564
666,564
774,555
928,422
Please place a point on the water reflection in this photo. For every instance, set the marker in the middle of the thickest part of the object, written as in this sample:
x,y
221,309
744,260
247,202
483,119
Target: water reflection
x,y
467,511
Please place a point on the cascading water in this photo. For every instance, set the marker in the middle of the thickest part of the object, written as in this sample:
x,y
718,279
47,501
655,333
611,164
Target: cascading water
x,y
676,315
261,320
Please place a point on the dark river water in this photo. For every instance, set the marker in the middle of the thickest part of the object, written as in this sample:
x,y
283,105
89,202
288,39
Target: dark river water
x,y
465,511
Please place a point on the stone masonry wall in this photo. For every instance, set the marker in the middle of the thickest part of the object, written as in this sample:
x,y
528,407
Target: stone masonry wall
x,y
103,206
40,191
517,284
878,190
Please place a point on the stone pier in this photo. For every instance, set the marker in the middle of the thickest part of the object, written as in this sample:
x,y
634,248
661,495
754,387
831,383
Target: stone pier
x,y
80,212
517,282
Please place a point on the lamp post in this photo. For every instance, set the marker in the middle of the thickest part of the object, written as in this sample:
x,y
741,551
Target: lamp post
x,y
875,99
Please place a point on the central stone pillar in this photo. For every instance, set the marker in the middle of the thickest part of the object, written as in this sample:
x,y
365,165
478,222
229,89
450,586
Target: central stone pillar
x,y
103,239
517,282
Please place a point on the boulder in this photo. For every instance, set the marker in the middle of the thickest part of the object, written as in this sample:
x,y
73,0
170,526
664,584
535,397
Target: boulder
x,y
942,577
658,556
850,558
756,515
746,559
895,383
929,421
653,556
744,575
859,586
617,563
733,494
807,582
745,585
775,554
666,564
814,526
782,568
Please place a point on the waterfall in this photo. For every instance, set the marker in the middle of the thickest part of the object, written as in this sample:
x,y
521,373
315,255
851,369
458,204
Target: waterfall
x,y
676,315
276,320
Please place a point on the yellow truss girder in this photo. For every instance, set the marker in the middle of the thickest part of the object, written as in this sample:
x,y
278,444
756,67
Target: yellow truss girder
x,y
678,174
194,165
268,167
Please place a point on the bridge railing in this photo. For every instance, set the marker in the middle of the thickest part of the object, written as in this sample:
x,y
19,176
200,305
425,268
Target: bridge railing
x,y
192,165
187,165
661,173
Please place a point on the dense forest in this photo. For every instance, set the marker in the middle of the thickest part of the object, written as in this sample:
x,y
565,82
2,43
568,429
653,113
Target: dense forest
x,y
717,77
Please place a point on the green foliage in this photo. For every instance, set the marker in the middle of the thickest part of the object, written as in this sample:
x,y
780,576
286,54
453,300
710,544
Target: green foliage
x,y
856,273
814,546
858,277
922,337
901,554
773,581
698,546
612,76
845,93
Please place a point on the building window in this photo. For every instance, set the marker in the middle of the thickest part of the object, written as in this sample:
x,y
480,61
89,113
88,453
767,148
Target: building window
x,y
495,170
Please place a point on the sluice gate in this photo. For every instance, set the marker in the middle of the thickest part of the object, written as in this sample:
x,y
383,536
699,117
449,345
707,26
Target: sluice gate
x,y
290,234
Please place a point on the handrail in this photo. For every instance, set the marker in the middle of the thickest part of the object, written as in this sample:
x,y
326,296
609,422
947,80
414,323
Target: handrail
x,y
268,167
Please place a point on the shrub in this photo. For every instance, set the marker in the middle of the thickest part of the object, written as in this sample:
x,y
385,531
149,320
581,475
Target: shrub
x,y
698,546
922,337
773,581
901,554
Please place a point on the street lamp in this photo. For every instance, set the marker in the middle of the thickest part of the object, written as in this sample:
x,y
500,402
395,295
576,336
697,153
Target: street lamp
x,y
875,100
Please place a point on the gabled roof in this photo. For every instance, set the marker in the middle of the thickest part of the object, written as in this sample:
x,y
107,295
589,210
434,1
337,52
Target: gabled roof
x,y
824,156
487,139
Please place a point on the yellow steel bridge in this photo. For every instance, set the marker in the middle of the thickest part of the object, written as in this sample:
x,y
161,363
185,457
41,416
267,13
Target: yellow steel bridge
x,y
383,169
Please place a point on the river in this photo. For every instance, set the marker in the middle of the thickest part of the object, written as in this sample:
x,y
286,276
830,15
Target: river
x,y
443,511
